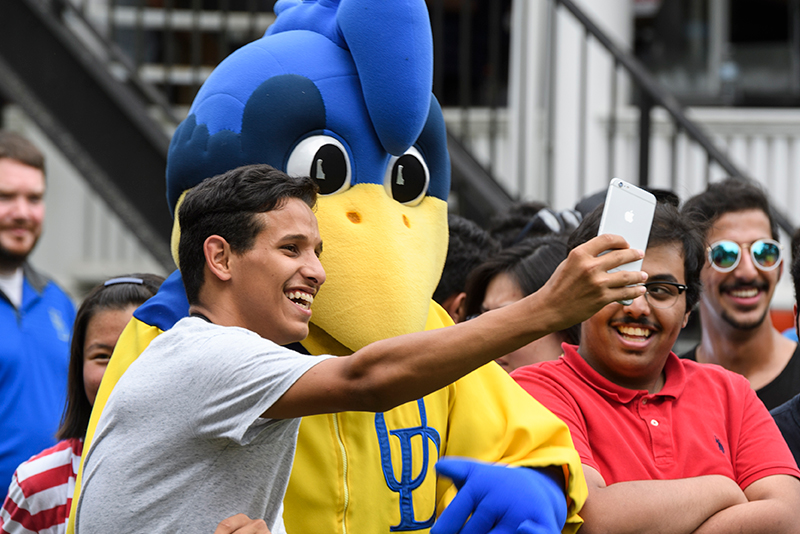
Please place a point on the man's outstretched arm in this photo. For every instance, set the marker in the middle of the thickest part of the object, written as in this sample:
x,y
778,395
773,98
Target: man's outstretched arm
x,y
392,371
656,506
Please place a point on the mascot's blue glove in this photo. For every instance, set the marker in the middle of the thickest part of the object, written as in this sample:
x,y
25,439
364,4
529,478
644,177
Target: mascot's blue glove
x,y
530,527
501,500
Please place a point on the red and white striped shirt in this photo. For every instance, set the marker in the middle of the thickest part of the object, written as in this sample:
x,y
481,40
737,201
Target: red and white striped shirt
x,y
40,494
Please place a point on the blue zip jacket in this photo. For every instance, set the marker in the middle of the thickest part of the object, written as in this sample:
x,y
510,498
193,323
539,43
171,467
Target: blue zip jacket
x,y
34,357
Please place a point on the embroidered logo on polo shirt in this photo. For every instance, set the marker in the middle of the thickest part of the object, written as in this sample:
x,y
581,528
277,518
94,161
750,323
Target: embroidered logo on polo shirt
x,y
719,444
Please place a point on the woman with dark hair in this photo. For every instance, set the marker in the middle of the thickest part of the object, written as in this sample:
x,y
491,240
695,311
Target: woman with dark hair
x,y
40,493
511,275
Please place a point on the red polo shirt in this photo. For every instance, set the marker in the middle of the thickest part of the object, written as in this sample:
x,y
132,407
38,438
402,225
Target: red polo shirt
x,y
704,421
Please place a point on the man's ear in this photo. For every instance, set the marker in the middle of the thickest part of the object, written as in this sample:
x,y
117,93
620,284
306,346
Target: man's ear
x,y
454,306
686,319
217,252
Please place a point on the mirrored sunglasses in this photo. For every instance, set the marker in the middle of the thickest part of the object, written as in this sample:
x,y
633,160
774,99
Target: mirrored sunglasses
x,y
724,256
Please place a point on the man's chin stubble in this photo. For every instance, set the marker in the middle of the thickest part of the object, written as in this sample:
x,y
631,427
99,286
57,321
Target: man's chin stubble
x,y
742,325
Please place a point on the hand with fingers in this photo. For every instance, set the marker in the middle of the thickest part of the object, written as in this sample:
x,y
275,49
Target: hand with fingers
x,y
242,524
584,284
497,499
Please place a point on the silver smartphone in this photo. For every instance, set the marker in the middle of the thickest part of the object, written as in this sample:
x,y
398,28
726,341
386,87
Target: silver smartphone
x,y
628,212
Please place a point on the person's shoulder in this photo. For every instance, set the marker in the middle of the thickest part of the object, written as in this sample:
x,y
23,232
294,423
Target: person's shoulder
x,y
209,338
539,368
789,409
45,285
61,454
166,307
551,371
198,325
711,373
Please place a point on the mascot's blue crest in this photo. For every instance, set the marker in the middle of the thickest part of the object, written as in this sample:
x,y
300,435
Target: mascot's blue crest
x,y
358,72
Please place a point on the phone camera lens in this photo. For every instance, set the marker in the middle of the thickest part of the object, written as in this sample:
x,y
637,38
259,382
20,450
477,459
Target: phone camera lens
x,y
620,185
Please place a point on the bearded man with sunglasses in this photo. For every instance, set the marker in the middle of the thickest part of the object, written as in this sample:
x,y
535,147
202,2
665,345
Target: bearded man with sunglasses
x,y
743,266
667,445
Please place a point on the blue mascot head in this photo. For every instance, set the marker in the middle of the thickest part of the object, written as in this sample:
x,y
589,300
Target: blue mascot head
x,y
340,91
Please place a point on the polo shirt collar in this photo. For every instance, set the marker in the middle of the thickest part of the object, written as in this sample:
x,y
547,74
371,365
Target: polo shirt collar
x,y
36,280
675,378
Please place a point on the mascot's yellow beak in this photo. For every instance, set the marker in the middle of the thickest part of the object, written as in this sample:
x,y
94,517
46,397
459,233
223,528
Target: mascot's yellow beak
x,y
383,261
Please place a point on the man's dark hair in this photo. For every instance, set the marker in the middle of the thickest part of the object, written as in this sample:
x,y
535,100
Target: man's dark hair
x,y
795,268
729,195
795,271
116,294
468,246
530,264
795,244
14,146
669,226
505,226
226,205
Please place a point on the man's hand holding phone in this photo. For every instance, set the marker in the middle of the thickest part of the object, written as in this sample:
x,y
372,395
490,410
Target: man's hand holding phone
x,y
587,281
628,211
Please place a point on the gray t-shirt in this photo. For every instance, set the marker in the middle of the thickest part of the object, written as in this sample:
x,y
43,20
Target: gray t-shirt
x,y
181,444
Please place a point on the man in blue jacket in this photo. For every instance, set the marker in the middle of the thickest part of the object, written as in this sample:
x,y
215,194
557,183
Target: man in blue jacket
x,y
36,315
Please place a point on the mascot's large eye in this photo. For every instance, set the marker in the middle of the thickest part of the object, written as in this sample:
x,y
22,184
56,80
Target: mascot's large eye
x,y
407,178
324,159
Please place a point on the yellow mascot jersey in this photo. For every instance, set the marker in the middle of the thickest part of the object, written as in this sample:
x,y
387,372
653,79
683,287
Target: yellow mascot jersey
x,y
359,472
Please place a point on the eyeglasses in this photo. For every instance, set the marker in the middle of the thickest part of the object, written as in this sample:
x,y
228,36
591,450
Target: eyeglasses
x,y
724,256
663,295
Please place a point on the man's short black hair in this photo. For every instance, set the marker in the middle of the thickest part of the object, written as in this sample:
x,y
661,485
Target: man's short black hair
x,y
729,195
226,205
669,226
795,268
468,246
504,227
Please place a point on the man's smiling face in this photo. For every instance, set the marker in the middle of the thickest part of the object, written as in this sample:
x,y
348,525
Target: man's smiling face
x,y
21,209
738,299
275,282
629,345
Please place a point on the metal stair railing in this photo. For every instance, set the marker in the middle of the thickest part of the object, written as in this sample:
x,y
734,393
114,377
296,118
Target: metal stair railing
x,y
651,94
167,77
192,39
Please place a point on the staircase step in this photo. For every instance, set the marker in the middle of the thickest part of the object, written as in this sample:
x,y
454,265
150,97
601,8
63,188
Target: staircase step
x,y
186,19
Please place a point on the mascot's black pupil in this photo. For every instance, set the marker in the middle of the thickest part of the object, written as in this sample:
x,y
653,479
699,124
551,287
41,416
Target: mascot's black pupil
x,y
329,169
408,178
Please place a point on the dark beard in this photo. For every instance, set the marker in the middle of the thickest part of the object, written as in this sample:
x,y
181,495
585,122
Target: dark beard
x,y
744,326
10,261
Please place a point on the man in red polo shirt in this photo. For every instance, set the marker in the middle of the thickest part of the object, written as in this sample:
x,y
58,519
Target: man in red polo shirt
x,y
667,445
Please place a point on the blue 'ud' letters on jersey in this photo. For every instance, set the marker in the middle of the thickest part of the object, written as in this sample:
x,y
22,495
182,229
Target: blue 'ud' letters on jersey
x,y
408,482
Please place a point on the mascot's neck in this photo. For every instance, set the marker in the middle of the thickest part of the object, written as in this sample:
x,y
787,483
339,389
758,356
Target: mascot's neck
x,y
320,342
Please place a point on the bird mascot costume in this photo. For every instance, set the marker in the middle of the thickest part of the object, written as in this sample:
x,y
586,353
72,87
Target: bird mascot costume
x,y
341,90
